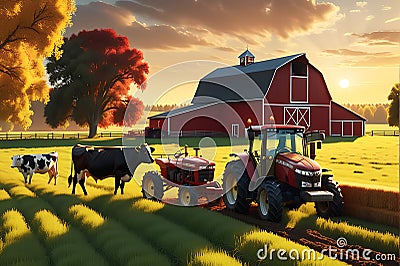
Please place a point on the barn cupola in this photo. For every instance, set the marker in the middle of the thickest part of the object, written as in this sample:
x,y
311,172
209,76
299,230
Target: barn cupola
x,y
246,58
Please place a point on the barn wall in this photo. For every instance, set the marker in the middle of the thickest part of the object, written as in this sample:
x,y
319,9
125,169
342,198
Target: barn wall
x,y
341,113
156,123
216,118
279,91
318,92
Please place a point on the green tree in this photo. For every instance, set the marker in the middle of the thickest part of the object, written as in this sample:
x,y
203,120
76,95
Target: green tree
x,y
30,31
91,81
393,110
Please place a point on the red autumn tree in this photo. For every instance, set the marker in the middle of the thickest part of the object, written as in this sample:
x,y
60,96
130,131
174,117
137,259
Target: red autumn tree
x,y
91,81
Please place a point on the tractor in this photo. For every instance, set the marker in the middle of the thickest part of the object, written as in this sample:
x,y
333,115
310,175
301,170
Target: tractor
x,y
278,170
193,175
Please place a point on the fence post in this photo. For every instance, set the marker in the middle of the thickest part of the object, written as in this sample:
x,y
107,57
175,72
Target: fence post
x,y
110,134
6,135
78,135
21,135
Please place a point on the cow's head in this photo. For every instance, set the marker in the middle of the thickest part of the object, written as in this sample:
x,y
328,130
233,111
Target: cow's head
x,y
145,153
16,161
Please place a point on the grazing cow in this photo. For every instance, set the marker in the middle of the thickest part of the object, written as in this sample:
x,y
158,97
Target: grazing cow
x,y
37,163
106,162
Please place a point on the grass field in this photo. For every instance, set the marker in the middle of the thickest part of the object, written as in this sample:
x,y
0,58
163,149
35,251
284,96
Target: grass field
x,y
43,224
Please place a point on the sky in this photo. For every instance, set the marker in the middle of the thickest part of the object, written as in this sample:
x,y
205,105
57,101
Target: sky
x,y
183,40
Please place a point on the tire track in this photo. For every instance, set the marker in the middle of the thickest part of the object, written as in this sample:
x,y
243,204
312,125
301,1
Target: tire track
x,y
308,237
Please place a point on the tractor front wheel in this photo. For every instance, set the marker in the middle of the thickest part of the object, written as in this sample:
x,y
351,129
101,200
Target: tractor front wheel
x,y
269,199
152,186
235,186
327,209
187,196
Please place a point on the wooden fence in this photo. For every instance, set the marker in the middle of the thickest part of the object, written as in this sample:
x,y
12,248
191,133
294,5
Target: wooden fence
x,y
384,132
65,135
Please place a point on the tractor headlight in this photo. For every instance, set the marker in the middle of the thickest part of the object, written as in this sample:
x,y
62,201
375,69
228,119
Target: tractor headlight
x,y
317,184
202,167
308,173
306,184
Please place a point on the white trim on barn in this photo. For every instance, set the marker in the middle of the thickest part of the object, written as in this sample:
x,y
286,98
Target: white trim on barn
x,y
297,115
342,123
291,85
235,130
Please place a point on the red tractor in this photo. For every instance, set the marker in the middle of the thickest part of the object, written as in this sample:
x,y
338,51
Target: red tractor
x,y
193,175
279,170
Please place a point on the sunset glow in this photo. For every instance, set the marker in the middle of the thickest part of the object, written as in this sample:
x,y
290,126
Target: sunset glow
x,y
339,37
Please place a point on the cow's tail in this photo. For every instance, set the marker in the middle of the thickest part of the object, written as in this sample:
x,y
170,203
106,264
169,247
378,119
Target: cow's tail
x,y
70,176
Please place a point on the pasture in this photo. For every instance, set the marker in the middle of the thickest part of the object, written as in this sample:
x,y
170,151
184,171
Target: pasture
x,y
45,225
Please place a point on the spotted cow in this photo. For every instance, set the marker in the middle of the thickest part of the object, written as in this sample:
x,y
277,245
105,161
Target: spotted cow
x,y
101,163
37,163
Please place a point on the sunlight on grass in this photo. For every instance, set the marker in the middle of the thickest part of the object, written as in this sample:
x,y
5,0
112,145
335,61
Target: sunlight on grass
x,y
49,224
20,191
385,242
4,195
147,205
207,257
13,226
251,242
86,216
296,215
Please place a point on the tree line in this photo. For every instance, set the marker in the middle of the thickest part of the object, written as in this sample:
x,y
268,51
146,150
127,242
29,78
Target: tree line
x,y
374,113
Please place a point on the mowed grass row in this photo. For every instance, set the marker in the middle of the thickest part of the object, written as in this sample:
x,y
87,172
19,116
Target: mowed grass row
x,y
108,238
383,238
64,245
116,236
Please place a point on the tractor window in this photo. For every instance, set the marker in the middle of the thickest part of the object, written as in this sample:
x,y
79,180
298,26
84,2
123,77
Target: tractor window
x,y
284,141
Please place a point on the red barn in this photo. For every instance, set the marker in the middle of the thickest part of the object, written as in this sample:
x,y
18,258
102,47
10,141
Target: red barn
x,y
286,90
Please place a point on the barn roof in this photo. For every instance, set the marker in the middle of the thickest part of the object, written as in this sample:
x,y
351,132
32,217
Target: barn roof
x,y
238,83
178,111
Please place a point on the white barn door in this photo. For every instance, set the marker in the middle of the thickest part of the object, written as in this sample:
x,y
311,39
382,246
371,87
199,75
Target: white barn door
x,y
297,116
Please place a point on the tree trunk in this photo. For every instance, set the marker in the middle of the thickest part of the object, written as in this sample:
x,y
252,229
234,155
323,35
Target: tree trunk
x,y
92,130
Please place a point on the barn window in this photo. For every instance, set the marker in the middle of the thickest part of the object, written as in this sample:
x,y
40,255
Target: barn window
x,y
299,69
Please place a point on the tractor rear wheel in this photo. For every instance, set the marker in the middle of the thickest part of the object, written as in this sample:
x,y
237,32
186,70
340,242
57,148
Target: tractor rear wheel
x,y
327,209
152,186
269,199
235,186
187,196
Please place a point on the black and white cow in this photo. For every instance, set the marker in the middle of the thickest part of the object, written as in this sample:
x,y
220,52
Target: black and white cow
x,y
101,163
37,163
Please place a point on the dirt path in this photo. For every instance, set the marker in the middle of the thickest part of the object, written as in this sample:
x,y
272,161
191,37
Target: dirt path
x,y
308,237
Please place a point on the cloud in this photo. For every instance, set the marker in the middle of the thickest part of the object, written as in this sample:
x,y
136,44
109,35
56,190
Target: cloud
x,y
365,59
257,18
370,17
361,3
97,15
392,20
386,8
355,11
348,52
379,37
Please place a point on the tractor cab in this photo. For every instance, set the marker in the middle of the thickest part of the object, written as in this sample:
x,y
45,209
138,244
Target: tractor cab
x,y
279,169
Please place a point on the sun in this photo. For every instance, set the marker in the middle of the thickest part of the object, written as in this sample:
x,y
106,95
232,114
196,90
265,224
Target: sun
x,y
344,83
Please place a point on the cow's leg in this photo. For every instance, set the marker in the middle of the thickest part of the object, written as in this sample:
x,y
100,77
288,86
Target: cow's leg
x,y
82,183
117,184
30,177
50,176
25,177
74,182
122,185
